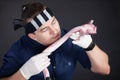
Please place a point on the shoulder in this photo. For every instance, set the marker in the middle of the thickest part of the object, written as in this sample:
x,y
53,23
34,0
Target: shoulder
x,y
18,50
18,44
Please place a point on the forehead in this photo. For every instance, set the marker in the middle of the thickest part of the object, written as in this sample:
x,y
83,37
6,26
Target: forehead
x,y
48,22
40,19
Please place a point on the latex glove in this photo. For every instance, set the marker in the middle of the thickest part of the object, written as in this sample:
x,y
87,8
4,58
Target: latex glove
x,y
81,40
35,65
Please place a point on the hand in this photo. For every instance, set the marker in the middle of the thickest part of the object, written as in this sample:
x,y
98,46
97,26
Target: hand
x,y
35,65
81,40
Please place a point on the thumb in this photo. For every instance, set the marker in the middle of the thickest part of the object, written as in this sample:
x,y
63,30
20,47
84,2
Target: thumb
x,y
75,42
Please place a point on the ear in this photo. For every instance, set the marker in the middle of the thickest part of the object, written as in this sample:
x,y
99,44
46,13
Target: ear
x,y
32,36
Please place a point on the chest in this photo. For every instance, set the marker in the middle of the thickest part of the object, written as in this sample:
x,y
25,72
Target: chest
x,y
62,64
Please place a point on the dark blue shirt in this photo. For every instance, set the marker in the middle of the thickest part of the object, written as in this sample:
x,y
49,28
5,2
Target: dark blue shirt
x,y
63,60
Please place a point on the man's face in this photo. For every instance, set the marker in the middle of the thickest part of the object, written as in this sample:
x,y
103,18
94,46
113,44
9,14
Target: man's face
x,y
49,32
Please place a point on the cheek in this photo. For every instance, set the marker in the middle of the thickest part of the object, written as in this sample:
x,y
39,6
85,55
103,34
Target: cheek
x,y
44,39
57,27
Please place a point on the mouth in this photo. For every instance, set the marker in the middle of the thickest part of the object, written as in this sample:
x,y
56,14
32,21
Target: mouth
x,y
56,36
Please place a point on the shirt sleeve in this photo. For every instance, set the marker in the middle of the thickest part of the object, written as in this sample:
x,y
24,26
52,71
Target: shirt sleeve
x,y
12,61
82,57
10,65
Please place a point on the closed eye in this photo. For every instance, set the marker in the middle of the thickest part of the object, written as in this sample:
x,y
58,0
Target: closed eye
x,y
53,21
44,29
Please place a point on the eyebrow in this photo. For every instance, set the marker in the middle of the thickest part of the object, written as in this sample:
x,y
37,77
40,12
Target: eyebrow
x,y
53,19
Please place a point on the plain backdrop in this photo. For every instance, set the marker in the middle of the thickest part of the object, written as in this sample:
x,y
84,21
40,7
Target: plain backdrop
x,y
71,13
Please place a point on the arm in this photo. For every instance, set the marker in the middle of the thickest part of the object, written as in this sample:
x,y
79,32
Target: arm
x,y
33,66
99,61
98,58
15,76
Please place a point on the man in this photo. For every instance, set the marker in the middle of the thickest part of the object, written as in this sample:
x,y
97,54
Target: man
x,y
25,59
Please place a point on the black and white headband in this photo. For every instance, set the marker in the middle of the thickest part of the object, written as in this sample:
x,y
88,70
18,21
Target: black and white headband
x,y
38,20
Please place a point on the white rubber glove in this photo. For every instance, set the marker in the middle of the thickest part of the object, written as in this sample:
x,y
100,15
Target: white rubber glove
x,y
81,40
35,65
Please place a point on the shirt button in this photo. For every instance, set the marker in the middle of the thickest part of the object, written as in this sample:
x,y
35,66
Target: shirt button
x,y
54,67
69,64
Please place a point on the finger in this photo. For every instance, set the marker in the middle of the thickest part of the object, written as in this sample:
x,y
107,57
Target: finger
x,y
75,36
75,42
45,64
42,63
46,73
45,59
77,33
44,54
91,21
48,53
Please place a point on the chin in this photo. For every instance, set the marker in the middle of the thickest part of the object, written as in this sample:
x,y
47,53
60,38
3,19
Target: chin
x,y
54,40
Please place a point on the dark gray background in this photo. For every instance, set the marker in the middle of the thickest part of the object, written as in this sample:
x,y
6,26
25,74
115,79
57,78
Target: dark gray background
x,y
71,13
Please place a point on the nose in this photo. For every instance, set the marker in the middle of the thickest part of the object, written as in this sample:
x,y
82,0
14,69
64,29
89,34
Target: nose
x,y
53,31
